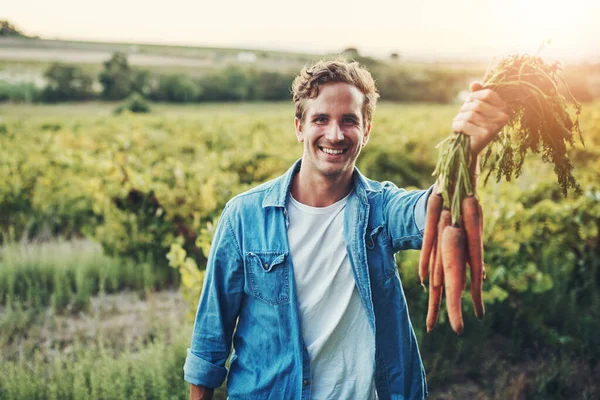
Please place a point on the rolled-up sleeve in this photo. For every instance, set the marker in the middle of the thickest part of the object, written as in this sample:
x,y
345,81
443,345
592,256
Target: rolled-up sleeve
x,y
218,309
405,213
203,373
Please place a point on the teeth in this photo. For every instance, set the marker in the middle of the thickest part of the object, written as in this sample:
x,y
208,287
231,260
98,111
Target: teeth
x,y
331,151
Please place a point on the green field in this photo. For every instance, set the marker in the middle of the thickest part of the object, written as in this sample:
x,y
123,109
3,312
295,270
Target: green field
x,y
92,202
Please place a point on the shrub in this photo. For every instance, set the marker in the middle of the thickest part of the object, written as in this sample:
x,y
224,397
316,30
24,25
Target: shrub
x,y
65,83
18,92
135,103
177,88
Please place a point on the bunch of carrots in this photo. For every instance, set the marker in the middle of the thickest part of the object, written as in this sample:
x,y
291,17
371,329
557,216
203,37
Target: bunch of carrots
x,y
539,122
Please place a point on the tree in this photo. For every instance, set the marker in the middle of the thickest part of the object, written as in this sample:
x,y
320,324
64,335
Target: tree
x,y
177,88
116,78
8,29
65,83
119,80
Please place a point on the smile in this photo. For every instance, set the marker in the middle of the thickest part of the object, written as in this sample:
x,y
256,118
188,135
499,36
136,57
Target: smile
x,y
332,151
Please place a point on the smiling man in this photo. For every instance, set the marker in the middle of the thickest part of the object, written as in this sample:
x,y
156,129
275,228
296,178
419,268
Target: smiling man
x,y
301,277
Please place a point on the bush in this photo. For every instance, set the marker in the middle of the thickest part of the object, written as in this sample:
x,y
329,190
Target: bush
x,y
119,80
66,83
433,85
135,103
176,88
271,86
231,84
18,92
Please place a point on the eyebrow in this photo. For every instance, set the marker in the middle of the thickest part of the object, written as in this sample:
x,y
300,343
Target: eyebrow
x,y
347,115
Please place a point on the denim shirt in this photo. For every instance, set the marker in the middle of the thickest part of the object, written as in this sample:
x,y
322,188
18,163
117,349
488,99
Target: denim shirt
x,y
249,294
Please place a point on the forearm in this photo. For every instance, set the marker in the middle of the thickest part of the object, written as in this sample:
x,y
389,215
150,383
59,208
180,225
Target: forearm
x,y
200,393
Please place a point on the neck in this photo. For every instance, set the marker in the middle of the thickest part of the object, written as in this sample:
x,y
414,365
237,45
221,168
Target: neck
x,y
319,191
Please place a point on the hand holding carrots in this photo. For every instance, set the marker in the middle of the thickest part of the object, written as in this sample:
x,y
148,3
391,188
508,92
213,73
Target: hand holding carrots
x,y
451,241
481,117
521,92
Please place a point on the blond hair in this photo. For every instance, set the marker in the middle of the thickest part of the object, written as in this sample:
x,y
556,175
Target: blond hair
x,y
306,84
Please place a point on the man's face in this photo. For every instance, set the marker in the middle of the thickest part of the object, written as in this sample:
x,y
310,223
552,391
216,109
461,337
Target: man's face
x,y
333,130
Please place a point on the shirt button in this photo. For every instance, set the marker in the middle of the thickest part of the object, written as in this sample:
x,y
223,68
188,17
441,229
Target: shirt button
x,y
266,265
305,382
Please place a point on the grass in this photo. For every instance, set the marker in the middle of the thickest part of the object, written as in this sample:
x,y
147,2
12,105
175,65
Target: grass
x,y
122,348
66,274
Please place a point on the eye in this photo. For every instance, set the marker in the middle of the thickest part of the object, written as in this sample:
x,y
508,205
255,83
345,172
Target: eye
x,y
320,120
350,121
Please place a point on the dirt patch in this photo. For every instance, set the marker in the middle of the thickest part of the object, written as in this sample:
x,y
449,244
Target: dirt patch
x,y
118,321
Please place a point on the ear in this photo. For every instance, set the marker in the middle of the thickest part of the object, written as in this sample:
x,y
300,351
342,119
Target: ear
x,y
367,135
299,133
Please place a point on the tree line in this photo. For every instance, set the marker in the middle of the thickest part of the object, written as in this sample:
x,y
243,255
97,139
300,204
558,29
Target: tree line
x,y
119,80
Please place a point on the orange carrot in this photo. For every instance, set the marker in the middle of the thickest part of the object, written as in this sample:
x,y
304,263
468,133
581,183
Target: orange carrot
x,y
445,220
470,208
484,276
454,258
434,208
435,302
435,294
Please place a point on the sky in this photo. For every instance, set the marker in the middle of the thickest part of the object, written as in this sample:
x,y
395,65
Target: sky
x,y
429,28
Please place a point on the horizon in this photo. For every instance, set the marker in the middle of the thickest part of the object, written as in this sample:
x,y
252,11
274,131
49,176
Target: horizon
x,y
461,30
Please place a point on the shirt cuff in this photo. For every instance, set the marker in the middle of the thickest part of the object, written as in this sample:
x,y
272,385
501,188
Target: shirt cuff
x,y
200,372
421,209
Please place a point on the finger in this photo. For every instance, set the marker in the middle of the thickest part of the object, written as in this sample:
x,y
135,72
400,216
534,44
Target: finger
x,y
488,96
482,108
492,122
469,128
475,86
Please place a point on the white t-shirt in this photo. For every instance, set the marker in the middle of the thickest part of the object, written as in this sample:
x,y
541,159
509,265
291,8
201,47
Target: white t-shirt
x,y
335,327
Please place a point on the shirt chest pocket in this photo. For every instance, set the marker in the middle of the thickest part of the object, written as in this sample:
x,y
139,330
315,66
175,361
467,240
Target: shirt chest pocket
x,y
379,254
268,276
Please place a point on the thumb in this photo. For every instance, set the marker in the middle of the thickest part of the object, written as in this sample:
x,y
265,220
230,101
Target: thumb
x,y
475,86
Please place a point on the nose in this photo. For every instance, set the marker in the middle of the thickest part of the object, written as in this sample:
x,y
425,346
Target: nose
x,y
334,133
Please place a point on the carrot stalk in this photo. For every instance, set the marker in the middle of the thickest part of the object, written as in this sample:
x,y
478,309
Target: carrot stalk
x,y
454,258
434,208
472,224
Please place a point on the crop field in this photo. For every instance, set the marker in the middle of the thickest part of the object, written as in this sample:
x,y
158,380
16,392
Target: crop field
x,y
92,203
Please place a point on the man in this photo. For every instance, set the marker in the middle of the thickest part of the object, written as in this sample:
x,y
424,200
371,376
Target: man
x,y
301,274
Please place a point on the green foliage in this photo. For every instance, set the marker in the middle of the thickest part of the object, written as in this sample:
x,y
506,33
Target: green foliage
x,y
9,30
145,186
152,372
119,80
66,274
230,84
271,86
135,103
66,83
18,92
398,83
177,88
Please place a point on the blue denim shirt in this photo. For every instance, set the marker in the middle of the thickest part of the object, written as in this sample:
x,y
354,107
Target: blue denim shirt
x,y
249,295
